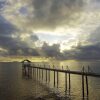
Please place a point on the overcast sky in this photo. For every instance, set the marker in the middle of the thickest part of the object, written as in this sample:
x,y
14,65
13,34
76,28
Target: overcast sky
x,y
66,29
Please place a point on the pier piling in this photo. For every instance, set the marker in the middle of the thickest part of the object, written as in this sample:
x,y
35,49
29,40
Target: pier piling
x,y
54,78
49,75
57,79
83,93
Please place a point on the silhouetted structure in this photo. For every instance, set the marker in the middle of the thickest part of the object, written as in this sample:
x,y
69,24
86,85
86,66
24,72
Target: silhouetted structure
x,y
42,74
26,68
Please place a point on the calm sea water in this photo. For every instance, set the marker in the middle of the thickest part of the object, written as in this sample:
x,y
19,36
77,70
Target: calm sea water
x,y
14,87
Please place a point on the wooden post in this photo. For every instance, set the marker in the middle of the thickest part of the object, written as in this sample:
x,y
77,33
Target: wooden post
x,y
57,79
49,75
69,83
46,76
42,74
87,90
54,77
25,70
65,82
28,71
37,73
83,93
33,72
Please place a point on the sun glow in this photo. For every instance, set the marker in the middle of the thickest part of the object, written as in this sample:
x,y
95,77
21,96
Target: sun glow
x,y
66,37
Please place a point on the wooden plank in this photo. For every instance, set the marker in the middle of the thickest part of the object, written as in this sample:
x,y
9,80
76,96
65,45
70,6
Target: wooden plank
x,y
72,72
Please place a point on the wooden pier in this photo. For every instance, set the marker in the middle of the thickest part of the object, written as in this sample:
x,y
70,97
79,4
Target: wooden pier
x,y
37,71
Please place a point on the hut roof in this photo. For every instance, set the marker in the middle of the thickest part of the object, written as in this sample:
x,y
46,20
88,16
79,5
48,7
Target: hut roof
x,y
26,60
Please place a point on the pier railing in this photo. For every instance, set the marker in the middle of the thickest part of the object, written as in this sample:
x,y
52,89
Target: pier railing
x,y
38,73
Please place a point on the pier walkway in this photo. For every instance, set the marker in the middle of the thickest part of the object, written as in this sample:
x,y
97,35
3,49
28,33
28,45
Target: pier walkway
x,y
37,72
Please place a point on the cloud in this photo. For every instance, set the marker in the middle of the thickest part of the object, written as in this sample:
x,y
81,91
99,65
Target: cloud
x,y
94,37
50,15
20,19
51,51
6,31
23,52
6,27
11,42
53,13
79,52
16,47
44,14
87,52
34,37
1,4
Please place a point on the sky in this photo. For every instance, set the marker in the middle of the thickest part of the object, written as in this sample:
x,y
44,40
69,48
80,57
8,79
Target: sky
x,y
64,29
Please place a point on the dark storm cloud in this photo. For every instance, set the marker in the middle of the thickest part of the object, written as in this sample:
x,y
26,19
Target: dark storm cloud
x,y
6,30
51,51
94,37
53,13
14,46
6,27
9,42
23,51
44,14
2,4
34,38
89,52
